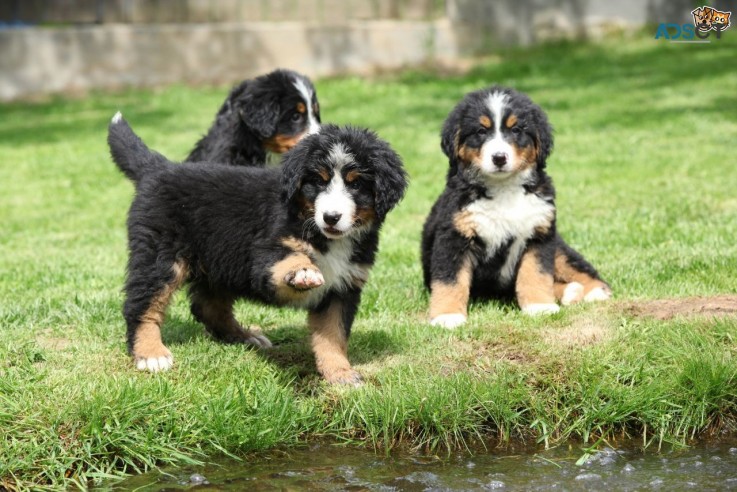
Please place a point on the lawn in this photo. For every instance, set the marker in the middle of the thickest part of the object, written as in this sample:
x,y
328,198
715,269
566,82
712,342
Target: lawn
x,y
644,168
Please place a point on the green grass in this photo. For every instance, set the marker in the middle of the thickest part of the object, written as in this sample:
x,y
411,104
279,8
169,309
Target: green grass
x,y
644,168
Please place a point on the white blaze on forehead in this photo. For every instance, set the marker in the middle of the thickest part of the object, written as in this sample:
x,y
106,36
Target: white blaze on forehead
x,y
312,125
496,103
339,156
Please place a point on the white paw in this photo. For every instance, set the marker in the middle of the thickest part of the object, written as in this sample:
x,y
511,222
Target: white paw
x,y
155,364
305,278
598,294
448,320
538,309
572,293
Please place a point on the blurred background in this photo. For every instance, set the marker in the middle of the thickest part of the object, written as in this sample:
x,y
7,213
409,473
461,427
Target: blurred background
x,y
52,46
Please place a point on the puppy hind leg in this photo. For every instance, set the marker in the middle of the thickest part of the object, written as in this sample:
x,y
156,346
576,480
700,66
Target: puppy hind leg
x,y
572,268
147,297
216,313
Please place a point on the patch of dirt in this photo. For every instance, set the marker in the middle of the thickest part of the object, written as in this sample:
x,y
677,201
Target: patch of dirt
x,y
582,332
665,309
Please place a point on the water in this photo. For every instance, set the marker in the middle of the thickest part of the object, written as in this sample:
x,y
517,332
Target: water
x,y
709,466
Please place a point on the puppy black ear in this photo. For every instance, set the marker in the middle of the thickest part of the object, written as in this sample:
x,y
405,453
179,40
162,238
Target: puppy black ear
x,y
543,138
449,140
231,102
390,180
293,166
259,110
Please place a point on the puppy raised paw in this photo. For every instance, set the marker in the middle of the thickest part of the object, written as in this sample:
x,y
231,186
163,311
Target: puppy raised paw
x,y
304,278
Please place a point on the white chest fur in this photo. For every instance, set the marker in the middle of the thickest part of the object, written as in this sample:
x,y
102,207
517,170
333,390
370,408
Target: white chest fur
x,y
337,269
509,214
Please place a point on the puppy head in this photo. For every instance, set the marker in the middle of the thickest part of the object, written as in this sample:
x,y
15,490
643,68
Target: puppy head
x,y
496,133
280,107
346,179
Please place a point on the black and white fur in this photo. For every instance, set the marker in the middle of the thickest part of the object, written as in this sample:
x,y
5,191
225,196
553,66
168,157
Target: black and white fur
x,y
304,235
260,120
492,232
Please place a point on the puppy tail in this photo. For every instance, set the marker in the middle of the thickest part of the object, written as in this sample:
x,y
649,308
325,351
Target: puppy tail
x,y
129,152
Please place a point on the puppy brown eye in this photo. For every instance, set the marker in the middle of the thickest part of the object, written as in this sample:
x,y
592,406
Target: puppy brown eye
x,y
516,130
296,117
482,131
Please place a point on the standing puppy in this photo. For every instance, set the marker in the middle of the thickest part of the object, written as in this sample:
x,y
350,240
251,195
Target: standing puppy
x,y
492,231
304,235
261,118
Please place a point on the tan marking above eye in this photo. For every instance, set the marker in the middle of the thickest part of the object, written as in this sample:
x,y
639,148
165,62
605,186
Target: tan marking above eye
x,y
324,174
351,176
301,108
511,120
485,121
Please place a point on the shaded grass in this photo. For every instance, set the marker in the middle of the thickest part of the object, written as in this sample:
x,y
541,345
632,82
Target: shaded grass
x,y
644,142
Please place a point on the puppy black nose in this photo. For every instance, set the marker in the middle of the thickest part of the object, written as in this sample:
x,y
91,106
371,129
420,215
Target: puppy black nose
x,y
331,218
499,159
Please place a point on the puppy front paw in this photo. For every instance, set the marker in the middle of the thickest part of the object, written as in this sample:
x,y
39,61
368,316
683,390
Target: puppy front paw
x,y
449,321
155,360
304,278
540,309
345,376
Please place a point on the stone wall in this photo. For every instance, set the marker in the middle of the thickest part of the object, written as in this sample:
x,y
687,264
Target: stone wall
x,y
115,43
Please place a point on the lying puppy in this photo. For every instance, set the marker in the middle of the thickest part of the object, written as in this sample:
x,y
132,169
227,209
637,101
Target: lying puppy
x,y
492,231
304,235
260,120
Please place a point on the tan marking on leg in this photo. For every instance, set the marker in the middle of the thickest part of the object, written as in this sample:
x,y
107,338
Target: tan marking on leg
x,y
330,345
534,287
284,271
147,345
217,315
511,120
465,224
485,121
452,298
564,272
298,246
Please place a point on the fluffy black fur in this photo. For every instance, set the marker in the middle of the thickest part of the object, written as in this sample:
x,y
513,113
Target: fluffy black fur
x,y
461,231
259,115
227,231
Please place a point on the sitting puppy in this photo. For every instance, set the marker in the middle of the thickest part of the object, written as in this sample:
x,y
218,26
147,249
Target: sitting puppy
x,y
304,235
260,120
492,231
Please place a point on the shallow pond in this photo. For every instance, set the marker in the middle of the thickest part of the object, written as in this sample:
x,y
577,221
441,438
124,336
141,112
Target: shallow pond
x,y
709,466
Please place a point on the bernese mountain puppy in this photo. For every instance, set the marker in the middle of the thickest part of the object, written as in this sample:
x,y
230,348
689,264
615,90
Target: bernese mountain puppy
x,y
491,233
260,120
303,235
